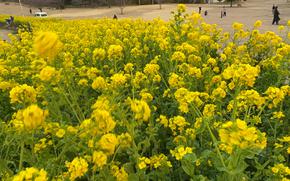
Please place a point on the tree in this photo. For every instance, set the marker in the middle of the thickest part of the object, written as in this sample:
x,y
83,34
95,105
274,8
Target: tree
x,y
122,4
60,4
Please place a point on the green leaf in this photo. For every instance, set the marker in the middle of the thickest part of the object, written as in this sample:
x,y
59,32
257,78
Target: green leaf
x,y
133,177
188,164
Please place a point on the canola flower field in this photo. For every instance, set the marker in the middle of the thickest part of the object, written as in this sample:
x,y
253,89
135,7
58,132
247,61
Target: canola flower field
x,y
144,100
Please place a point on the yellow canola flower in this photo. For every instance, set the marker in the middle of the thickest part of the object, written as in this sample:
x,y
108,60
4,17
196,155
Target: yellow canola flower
x,y
33,117
125,140
180,152
241,74
209,110
108,143
246,99
281,28
155,162
47,73
177,123
181,8
151,69
119,173
77,168
47,44
60,133
185,97
99,54
237,26
141,109
258,24
238,135
178,56
275,95
30,174
115,52
23,94
118,79
99,83
281,169
99,159
103,121
175,81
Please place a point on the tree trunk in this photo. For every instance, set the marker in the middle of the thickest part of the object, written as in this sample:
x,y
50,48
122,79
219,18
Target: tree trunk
x,y
60,4
122,6
109,3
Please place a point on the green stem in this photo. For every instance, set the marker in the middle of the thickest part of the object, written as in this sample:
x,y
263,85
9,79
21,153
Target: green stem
x,y
115,154
235,103
215,144
21,155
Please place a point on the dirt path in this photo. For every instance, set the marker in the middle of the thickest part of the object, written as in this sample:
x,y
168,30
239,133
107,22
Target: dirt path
x,y
4,34
250,11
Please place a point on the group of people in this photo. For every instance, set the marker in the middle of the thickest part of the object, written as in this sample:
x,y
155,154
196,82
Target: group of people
x,y
223,12
276,14
9,21
205,12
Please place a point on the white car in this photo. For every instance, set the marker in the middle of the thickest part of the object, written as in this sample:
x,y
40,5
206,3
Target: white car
x,y
40,14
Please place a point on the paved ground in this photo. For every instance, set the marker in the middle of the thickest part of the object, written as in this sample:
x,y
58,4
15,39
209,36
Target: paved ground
x,y
250,11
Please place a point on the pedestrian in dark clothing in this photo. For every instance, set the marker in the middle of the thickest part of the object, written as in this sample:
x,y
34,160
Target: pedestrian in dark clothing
x,y
199,10
115,16
205,13
224,11
30,11
276,17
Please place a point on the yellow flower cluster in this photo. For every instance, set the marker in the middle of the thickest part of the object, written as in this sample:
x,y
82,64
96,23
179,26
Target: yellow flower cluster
x,y
31,174
275,95
141,109
248,98
47,44
33,117
282,171
180,152
186,97
108,143
77,168
177,123
115,52
23,94
155,161
48,73
236,134
241,74
128,97
99,159
119,173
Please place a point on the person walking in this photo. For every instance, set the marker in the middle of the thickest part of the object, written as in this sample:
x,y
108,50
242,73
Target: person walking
x,y
224,11
30,11
199,9
276,17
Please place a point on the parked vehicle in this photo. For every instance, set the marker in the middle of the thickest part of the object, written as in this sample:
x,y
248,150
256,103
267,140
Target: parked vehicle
x,y
40,14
